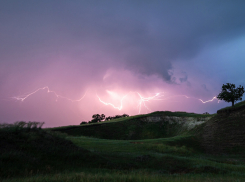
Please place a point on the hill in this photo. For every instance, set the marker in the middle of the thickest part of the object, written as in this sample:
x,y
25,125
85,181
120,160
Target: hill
x,y
30,151
237,107
225,132
154,125
219,133
171,143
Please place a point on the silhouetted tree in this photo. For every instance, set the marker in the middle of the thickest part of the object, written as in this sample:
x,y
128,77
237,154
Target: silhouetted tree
x,y
102,117
206,113
108,118
83,122
97,118
230,93
115,117
125,115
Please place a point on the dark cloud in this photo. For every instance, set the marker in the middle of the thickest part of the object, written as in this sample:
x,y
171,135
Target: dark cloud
x,y
142,36
120,46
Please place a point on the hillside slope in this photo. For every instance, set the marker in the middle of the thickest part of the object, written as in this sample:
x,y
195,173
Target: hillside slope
x,y
225,133
26,152
149,126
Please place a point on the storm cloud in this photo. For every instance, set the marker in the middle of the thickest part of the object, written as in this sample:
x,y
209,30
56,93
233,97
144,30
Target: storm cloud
x,y
75,44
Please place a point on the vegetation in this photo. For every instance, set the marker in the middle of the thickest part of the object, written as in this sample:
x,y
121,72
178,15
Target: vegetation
x,y
28,151
230,93
35,154
128,176
22,125
98,118
136,127
178,114
224,133
116,117
237,105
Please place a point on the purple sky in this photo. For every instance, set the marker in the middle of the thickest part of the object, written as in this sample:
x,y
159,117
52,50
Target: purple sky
x,y
142,55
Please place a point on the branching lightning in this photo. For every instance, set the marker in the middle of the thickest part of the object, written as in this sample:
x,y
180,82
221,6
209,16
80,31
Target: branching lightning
x,y
115,107
141,101
24,97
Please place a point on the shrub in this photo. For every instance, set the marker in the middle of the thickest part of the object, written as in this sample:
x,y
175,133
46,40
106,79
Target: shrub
x,y
83,122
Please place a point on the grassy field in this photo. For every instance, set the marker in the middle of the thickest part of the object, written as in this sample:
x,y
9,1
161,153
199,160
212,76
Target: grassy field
x,y
34,154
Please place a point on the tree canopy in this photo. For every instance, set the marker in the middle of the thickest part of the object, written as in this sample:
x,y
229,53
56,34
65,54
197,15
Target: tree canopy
x,y
98,118
230,93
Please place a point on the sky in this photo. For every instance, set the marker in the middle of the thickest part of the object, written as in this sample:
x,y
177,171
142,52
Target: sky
x,y
63,61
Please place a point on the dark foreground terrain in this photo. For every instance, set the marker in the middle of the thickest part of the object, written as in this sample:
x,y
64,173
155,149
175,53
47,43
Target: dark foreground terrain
x,y
160,146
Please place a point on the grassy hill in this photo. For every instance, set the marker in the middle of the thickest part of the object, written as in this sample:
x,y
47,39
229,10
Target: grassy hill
x,y
225,133
238,106
29,151
163,146
38,155
154,125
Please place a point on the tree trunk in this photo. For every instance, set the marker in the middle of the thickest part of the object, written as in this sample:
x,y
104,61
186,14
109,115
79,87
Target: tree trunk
x,y
233,103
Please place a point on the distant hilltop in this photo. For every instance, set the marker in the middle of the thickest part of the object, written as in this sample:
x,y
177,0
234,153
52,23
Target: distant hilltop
x,y
160,124
228,110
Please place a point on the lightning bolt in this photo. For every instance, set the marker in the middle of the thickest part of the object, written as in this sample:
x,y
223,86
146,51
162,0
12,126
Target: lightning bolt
x,y
209,100
23,98
141,102
147,99
115,107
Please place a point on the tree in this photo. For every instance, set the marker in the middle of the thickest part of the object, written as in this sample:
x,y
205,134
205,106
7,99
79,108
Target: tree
x,y
102,117
115,117
108,118
97,118
230,93
125,115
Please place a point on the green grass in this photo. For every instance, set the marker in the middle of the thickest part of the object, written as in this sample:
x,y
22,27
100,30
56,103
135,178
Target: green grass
x,y
35,151
182,151
179,114
165,159
134,127
223,133
34,154
239,104
157,113
186,144
126,176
